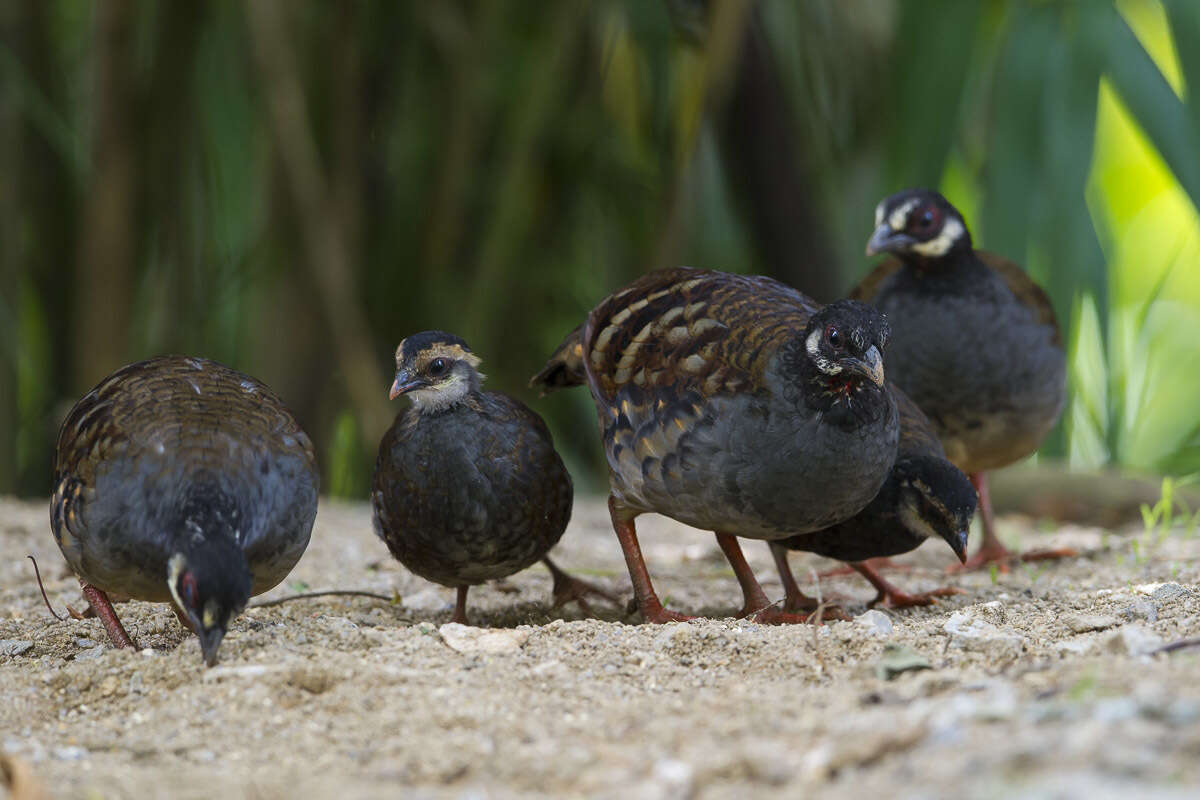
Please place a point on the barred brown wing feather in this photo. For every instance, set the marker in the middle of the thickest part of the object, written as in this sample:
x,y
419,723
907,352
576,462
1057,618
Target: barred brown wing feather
x,y
683,331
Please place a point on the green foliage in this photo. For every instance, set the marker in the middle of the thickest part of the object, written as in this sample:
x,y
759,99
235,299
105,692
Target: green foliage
x,y
494,170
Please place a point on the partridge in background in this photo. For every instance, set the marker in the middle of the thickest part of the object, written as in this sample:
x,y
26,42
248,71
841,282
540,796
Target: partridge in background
x,y
924,496
975,343
468,486
179,480
733,404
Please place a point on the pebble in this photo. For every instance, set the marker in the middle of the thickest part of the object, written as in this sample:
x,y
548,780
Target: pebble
x,y
85,643
1082,623
1133,639
91,652
975,634
1141,610
15,647
467,639
876,622
1169,591
898,659
70,753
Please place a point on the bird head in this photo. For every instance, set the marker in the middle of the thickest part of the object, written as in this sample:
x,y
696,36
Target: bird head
x,y
936,499
844,342
436,370
918,225
210,585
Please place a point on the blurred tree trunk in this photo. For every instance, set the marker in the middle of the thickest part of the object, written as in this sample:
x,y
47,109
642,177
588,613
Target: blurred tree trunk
x,y
105,262
12,31
773,186
38,224
322,223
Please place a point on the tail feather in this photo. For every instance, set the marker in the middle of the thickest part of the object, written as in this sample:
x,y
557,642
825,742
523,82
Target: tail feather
x,y
565,367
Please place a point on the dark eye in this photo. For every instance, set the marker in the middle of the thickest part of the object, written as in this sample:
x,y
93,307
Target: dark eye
x,y
188,585
926,219
834,336
438,367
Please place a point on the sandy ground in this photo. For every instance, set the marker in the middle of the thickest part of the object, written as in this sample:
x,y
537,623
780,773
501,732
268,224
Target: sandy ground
x,y
1042,682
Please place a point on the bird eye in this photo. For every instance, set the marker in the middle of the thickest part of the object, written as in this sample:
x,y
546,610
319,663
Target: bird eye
x,y
926,220
834,336
188,585
438,367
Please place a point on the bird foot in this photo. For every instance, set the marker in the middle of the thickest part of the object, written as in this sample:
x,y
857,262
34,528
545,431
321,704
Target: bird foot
x,y
87,613
1003,558
895,598
876,563
655,614
569,589
774,616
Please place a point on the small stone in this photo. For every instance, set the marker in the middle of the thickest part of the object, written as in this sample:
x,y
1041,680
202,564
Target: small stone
x,y
1169,591
676,778
93,652
898,659
85,643
1133,639
1146,610
70,753
466,639
1082,623
876,622
980,636
15,647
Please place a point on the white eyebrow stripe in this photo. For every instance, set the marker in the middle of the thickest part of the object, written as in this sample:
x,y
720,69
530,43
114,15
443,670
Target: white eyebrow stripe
x,y
898,219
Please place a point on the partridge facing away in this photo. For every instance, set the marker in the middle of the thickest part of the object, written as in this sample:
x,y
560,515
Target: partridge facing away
x,y
975,343
468,486
733,404
924,496
180,480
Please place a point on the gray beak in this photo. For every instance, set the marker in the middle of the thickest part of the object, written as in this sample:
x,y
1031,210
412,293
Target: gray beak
x,y
958,543
869,366
885,240
404,383
210,642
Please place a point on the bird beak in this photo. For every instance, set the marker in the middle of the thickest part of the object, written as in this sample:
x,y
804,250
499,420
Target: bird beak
x,y
885,240
958,543
210,642
404,383
869,366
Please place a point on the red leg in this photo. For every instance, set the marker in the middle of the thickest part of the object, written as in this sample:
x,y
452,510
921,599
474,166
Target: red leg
x,y
992,550
460,606
891,597
103,609
568,589
794,599
643,590
755,604
876,563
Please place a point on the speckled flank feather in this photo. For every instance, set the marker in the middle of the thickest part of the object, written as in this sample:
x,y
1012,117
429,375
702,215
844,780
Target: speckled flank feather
x,y
705,418
178,448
